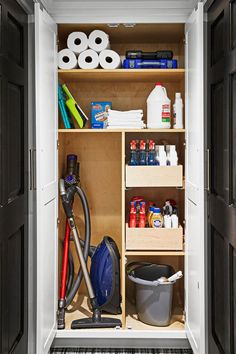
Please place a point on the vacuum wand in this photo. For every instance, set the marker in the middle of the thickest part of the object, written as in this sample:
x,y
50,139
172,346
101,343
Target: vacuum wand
x,y
69,214
81,258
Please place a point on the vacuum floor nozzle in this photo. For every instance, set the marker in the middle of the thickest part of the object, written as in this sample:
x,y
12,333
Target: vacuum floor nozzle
x,y
104,322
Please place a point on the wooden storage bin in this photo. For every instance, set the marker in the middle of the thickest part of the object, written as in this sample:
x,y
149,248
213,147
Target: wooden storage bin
x,y
154,176
150,239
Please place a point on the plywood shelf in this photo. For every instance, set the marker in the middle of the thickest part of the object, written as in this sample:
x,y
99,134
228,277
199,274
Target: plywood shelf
x,y
154,176
166,75
154,253
73,131
154,239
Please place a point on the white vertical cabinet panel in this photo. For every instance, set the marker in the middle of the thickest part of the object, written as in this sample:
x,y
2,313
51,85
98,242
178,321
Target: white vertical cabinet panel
x,y
47,179
194,172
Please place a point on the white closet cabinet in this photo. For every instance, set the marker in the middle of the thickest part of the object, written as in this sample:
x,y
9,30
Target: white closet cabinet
x,y
188,325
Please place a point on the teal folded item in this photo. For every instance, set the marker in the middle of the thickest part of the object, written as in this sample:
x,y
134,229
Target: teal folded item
x,y
62,107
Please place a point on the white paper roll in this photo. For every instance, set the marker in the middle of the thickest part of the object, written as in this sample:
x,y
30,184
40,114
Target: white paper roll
x,y
77,42
98,41
88,59
67,59
109,59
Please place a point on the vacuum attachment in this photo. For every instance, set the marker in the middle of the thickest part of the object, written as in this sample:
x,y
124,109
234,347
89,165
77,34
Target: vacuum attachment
x,y
96,321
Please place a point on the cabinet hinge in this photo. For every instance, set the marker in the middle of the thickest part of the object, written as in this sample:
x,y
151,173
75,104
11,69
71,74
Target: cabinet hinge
x,y
58,221
57,144
185,144
58,41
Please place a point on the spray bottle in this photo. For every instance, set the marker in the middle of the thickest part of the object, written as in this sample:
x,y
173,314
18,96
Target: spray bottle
x,y
133,153
132,215
142,152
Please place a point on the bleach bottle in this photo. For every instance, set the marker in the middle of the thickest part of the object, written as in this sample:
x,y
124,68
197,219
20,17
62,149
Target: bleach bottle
x,y
158,108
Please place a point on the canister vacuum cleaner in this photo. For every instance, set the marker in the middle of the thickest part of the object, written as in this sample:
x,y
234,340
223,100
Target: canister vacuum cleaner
x,y
103,282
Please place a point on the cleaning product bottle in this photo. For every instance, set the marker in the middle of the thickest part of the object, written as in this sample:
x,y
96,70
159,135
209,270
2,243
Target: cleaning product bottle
x,y
151,153
178,111
142,152
167,218
142,215
132,214
133,153
174,219
156,218
158,108
161,155
171,155
150,211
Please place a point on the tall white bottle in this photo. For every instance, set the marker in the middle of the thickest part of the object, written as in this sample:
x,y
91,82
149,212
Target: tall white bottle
x,y
178,111
158,108
161,155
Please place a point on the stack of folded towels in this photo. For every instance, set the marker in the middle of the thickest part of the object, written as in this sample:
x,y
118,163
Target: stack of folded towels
x,y
125,119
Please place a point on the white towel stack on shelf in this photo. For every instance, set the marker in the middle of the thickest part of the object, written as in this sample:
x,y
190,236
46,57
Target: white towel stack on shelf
x,y
125,119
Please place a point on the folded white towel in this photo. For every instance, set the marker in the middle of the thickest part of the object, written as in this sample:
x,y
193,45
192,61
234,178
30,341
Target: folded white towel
x,y
137,111
125,127
124,120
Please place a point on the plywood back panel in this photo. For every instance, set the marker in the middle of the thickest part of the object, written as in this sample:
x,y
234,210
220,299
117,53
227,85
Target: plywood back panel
x,y
124,95
100,173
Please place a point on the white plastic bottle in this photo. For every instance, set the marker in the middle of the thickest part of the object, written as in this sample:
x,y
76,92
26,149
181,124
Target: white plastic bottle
x,y
161,155
174,220
172,157
158,108
167,218
178,111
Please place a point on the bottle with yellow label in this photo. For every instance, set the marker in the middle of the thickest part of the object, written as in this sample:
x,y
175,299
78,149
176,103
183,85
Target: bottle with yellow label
x,y
156,218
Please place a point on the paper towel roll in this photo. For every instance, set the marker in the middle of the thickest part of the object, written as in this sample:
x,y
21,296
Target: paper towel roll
x,y
77,42
88,59
98,41
67,59
109,59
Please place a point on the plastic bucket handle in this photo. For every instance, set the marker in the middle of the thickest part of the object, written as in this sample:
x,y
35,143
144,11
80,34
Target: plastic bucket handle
x,y
149,282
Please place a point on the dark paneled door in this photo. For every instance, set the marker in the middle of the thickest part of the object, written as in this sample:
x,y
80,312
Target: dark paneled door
x,y
13,178
221,81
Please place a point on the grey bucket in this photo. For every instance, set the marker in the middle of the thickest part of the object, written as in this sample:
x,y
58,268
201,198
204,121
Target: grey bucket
x,y
153,300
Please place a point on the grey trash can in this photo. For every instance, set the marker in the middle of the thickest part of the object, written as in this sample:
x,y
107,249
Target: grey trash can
x,y
153,300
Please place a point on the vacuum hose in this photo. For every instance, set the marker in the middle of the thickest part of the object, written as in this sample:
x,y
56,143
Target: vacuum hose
x,y
67,198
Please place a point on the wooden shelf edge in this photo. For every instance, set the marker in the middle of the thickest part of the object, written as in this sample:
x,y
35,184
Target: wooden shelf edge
x,y
154,253
73,131
128,71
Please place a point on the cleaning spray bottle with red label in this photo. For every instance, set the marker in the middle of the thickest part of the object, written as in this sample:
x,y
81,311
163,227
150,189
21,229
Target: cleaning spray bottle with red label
x,y
133,153
142,215
142,152
151,153
132,214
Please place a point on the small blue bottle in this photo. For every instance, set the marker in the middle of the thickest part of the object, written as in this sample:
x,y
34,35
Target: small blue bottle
x,y
142,153
133,153
151,160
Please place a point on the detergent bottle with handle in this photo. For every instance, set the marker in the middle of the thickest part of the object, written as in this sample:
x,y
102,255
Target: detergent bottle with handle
x,y
158,108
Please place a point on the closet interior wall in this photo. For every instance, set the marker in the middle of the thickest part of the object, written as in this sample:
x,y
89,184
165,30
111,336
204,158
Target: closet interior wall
x,y
103,154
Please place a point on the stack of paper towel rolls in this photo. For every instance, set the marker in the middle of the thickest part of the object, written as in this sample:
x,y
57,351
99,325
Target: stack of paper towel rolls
x,y
88,52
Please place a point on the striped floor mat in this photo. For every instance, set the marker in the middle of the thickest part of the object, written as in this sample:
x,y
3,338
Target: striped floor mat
x,y
119,351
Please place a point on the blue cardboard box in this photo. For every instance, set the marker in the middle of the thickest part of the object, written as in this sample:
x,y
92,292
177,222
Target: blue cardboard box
x,y
99,112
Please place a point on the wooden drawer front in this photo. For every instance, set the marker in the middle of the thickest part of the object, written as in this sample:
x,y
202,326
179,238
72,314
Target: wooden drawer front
x,y
154,176
154,239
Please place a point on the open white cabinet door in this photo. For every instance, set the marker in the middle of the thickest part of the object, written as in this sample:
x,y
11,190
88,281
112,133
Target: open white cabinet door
x,y
194,173
47,181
